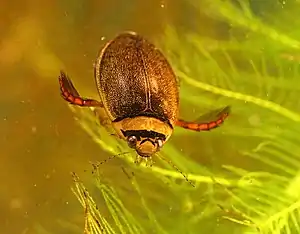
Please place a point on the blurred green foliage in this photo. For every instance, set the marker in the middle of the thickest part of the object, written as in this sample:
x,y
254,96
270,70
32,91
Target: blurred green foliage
x,y
255,70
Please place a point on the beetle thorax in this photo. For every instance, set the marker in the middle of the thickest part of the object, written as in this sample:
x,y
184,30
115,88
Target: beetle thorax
x,y
145,134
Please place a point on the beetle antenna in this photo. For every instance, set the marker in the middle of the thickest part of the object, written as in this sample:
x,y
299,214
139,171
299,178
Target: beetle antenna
x,y
177,169
97,164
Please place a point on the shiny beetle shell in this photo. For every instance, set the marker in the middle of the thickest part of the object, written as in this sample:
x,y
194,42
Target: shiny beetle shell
x,y
138,88
134,78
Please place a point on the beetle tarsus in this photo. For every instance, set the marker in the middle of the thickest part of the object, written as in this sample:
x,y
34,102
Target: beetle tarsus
x,y
206,126
71,95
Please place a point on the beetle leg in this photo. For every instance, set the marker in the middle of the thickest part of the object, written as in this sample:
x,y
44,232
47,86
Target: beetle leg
x,y
101,116
138,160
105,121
218,118
71,95
149,162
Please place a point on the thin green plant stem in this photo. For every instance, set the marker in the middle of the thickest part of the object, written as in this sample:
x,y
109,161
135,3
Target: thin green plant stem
x,y
119,212
238,17
148,211
286,211
94,221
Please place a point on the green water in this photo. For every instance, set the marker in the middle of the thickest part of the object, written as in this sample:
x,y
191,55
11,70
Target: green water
x,y
239,53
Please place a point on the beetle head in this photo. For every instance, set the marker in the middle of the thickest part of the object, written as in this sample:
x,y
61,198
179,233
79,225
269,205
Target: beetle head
x,y
146,135
146,143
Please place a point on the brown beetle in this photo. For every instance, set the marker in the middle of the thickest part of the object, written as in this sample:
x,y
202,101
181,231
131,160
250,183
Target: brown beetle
x,y
139,92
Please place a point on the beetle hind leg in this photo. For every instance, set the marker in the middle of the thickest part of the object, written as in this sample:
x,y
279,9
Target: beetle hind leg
x,y
71,95
217,118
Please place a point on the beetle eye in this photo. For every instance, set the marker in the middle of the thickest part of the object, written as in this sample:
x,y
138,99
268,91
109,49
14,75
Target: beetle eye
x,y
159,143
131,140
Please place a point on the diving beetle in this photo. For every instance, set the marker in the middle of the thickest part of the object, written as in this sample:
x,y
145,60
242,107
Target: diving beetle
x,y
139,92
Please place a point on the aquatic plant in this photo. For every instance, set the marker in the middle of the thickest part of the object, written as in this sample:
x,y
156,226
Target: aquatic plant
x,y
252,185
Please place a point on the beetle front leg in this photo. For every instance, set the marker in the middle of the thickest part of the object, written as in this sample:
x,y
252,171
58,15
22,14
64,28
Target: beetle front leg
x,y
71,95
138,160
101,116
218,118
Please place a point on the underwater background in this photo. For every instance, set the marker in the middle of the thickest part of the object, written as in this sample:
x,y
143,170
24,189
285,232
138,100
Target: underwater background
x,y
241,53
